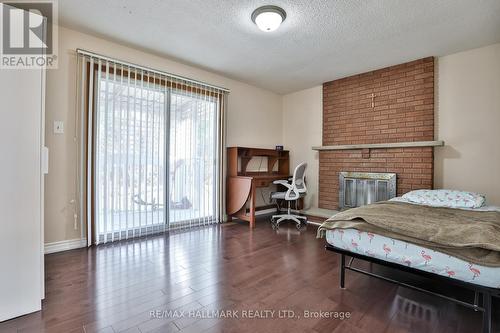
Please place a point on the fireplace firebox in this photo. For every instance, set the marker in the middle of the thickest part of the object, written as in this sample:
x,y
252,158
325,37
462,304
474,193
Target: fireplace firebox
x,y
363,188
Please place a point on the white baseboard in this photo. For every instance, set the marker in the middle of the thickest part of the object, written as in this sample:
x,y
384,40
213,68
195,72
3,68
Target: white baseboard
x,y
65,245
273,211
265,211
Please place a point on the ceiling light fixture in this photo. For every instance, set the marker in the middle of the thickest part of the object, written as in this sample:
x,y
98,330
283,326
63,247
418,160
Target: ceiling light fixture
x,y
268,18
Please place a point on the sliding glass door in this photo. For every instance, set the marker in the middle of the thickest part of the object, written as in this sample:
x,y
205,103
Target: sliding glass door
x,y
156,155
192,157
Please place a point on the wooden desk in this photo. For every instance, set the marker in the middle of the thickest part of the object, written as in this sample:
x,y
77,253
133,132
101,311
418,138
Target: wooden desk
x,y
242,185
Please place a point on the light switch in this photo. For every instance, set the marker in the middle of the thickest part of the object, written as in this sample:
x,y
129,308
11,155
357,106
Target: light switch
x,y
58,127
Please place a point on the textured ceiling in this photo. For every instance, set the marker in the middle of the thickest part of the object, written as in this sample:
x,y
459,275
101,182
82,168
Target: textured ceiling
x,y
319,41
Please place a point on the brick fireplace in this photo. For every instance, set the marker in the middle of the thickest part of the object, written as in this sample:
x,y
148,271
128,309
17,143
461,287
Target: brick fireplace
x,y
393,105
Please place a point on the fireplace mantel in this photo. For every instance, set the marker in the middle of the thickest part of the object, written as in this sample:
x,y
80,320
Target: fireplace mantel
x,y
412,144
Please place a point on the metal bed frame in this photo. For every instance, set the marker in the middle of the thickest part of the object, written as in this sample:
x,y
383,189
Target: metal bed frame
x,y
486,292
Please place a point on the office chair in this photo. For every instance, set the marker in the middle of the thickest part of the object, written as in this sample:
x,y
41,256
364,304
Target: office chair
x,y
296,189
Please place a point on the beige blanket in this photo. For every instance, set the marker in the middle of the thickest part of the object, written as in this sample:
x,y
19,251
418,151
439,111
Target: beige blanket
x,y
473,236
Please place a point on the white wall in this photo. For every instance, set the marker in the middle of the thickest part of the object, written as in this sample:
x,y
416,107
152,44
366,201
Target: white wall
x,y
302,129
254,119
468,120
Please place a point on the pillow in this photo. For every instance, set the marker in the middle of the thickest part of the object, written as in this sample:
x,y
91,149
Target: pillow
x,y
446,198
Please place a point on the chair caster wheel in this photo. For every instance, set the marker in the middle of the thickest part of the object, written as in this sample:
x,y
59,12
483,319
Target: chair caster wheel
x,y
274,225
298,226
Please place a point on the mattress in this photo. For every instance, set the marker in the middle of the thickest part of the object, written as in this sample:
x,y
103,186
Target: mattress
x,y
412,255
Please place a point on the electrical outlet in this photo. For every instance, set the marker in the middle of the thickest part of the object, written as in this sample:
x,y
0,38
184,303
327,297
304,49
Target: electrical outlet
x,y
58,127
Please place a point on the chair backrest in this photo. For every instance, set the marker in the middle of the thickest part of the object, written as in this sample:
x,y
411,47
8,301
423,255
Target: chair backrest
x,y
299,175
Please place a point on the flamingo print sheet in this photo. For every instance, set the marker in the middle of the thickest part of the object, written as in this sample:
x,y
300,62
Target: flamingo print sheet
x,y
405,253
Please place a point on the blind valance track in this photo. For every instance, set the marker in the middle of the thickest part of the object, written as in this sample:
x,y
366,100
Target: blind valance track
x,y
148,69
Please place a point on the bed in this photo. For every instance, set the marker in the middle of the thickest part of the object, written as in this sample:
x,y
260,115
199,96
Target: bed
x,y
380,233
412,255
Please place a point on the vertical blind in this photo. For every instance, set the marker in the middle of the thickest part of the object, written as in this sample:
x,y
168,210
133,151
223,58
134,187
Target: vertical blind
x,y
151,149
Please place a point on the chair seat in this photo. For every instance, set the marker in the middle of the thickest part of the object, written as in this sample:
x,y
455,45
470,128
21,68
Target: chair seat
x,y
281,195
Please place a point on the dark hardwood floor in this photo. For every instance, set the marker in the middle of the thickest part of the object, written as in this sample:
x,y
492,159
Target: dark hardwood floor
x,y
130,286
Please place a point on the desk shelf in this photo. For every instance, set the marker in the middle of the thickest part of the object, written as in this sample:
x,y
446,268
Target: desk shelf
x,y
245,155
